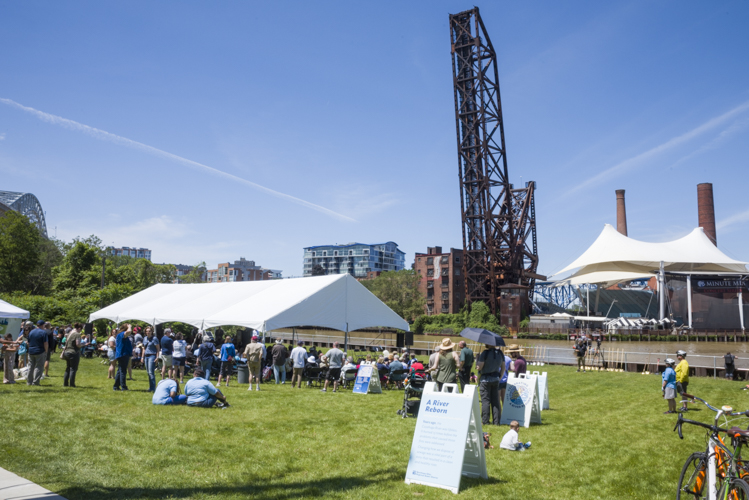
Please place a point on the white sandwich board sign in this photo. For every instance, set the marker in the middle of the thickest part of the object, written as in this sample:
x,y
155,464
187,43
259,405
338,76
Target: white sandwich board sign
x,y
522,402
448,440
543,389
367,380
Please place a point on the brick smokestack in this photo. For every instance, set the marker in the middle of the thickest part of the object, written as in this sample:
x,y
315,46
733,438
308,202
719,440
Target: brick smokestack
x,y
621,212
706,210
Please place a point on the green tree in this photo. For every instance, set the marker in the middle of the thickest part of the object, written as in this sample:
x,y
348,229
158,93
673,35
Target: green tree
x,y
75,271
19,251
318,270
39,281
399,291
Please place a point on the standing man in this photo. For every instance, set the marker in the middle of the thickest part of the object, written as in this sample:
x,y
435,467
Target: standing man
x,y
491,367
668,385
279,353
580,347
299,356
682,377
729,359
38,348
205,354
434,363
227,360
466,363
254,355
167,348
122,354
335,358
152,347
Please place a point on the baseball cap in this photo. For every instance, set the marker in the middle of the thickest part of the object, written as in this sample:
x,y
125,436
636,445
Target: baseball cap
x,y
40,322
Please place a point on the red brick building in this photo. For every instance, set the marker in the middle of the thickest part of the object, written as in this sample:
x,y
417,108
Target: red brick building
x,y
442,281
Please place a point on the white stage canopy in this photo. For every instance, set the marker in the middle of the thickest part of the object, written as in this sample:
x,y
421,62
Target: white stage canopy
x,y
614,257
10,311
335,301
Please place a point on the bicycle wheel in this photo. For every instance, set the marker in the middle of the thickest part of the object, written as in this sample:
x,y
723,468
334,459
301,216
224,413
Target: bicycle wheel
x,y
693,478
738,490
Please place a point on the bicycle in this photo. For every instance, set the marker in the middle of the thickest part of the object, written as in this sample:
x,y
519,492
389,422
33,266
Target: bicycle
x,y
719,468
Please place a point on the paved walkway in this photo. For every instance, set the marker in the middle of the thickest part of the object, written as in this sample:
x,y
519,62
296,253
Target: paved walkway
x,y
14,487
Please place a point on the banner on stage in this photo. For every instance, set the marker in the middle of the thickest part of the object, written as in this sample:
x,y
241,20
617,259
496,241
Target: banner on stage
x,y
448,440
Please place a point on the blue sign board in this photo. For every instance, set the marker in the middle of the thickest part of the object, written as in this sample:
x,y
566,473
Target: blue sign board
x,y
363,378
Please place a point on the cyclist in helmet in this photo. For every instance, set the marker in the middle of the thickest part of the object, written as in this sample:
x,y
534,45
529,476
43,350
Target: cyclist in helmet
x,y
682,377
669,385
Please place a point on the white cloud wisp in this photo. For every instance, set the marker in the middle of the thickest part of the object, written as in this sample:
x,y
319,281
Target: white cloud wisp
x,y
631,163
734,219
123,141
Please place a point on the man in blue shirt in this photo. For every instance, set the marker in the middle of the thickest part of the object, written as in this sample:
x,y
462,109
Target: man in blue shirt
x,y
205,355
152,348
167,393
200,392
668,385
122,354
38,348
167,347
227,361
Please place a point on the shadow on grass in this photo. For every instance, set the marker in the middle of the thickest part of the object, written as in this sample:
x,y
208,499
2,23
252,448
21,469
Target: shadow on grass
x,y
467,483
274,489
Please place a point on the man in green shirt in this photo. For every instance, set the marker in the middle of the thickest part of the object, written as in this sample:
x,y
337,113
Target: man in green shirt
x,y
466,361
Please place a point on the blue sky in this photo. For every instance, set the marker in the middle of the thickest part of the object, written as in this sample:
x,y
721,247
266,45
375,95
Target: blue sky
x,y
247,129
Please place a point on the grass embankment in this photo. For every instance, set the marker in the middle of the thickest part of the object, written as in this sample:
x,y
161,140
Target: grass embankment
x,y
605,437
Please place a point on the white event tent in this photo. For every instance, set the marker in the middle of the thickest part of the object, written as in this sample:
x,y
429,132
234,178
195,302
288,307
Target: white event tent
x,y
336,301
614,258
11,317
10,311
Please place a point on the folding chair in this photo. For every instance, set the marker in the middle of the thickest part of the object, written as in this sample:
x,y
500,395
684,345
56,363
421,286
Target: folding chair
x,y
348,376
397,376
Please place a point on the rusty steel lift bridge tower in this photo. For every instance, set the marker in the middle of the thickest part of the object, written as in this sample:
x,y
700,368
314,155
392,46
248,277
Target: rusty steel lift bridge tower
x,y
499,221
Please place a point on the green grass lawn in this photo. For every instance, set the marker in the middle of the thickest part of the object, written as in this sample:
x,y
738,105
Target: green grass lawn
x,y
605,436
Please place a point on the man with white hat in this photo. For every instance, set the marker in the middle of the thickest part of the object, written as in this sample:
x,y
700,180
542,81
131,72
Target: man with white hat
x,y
253,352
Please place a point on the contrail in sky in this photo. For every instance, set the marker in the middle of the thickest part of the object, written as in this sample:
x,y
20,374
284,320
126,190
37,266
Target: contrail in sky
x,y
124,141
676,141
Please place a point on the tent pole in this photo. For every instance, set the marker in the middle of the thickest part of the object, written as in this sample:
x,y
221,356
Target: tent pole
x,y
587,298
741,306
293,335
598,292
662,290
689,299
345,340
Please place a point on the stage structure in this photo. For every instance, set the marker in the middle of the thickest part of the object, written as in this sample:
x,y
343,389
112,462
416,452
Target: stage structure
x,y
499,221
28,205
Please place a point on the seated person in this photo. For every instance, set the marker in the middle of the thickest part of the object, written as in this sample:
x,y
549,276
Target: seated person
x,y
396,365
201,392
311,362
137,356
417,366
382,369
510,440
349,365
190,356
167,393
324,363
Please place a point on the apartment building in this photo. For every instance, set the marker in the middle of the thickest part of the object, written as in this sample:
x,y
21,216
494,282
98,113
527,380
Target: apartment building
x,y
241,270
356,259
136,253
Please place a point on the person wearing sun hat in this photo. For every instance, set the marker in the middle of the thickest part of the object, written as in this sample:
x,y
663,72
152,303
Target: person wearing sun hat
x,y
518,364
448,364
668,386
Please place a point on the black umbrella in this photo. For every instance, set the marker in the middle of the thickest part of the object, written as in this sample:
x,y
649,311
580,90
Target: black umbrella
x,y
482,336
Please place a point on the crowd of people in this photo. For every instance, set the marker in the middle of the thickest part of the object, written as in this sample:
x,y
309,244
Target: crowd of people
x,y
204,354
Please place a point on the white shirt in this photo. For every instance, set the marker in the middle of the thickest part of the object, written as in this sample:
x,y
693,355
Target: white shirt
x,y
510,440
179,347
111,341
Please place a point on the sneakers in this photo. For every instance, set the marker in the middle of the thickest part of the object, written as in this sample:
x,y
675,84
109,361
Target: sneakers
x,y
258,387
527,445
218,385
324,390
250,388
